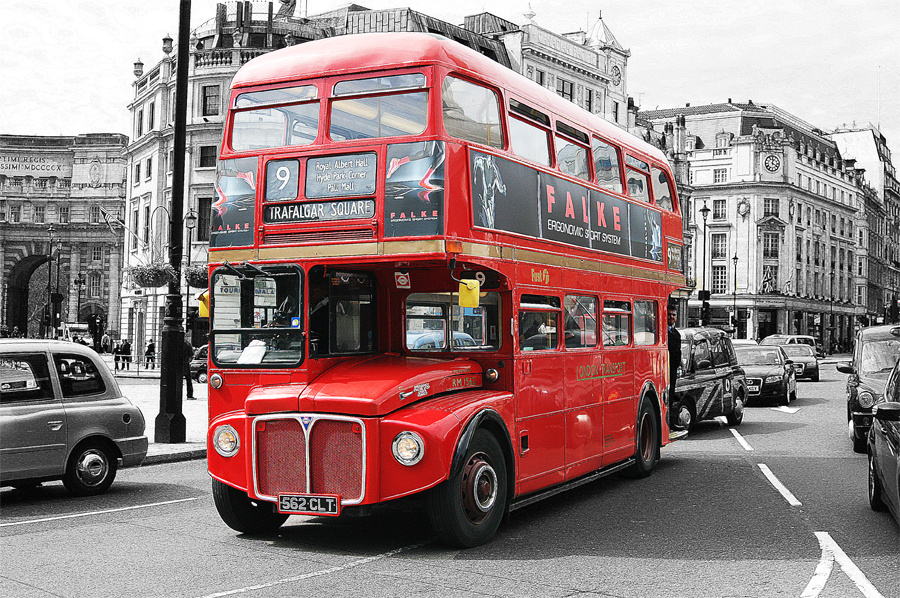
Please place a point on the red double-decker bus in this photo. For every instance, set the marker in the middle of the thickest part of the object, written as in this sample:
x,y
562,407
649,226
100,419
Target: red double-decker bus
x,y
429,275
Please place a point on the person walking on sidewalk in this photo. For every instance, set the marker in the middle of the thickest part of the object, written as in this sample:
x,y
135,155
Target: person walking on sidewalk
x,y
150,355
117,355
126,354
187,355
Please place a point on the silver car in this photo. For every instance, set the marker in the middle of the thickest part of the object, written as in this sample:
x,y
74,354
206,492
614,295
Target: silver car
x,y
62,416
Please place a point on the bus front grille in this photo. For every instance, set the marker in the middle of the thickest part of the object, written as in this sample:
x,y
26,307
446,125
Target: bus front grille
x,y
310,455
320,236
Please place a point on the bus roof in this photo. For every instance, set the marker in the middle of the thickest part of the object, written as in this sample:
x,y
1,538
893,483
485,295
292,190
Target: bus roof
x,y
373,51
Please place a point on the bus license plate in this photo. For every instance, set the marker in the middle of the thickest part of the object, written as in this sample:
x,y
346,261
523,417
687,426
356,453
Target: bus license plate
x,y
310,504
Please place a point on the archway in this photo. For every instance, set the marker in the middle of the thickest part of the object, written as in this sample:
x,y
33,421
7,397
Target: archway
x,y
26,294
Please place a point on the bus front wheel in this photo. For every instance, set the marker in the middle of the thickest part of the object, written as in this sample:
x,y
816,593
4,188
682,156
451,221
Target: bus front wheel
x,y
646,454
467,509
243,515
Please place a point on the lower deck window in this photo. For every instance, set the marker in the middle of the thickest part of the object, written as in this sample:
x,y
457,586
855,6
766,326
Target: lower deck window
x,y
436,322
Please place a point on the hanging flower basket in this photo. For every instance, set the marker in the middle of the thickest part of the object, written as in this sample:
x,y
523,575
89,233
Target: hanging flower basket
x,y
152,275
196,276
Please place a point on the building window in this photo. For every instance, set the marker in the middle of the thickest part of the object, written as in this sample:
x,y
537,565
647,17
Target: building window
x,y
134,229
97,253
540,77
589,100
564,88
64,214
204,211
719,280
148,172
615,111
137,174
718,242
146,225
210,100
770,206
770,245
95,215
770,279
207,156
151,115
39,214
719,209
720,175
39,183
799,250
139,124
15,214
94,280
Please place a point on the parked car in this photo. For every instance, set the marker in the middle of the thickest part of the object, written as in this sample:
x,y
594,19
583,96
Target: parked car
x,y
794,339
874,355
62,416
198,364
884,456
770,374
710,381
806,364
743,341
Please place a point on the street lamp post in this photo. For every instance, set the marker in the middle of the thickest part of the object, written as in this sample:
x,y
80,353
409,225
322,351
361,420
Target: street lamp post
x,y
48,320
190,223
704,293
734,261
79,282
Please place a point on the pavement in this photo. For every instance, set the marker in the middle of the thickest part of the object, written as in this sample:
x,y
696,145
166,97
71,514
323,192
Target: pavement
x,y
142,387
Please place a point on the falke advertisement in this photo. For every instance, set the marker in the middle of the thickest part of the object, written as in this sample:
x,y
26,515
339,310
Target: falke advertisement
x,y
414,189
515,198
233,212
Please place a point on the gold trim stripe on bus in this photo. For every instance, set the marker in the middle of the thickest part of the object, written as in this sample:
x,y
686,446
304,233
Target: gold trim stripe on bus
x,y
406,248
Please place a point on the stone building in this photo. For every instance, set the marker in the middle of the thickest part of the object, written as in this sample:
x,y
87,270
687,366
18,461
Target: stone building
x,y
57,194
778,245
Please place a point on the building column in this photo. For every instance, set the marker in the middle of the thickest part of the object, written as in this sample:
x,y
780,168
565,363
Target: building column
x,y
3,283
114,291
74,290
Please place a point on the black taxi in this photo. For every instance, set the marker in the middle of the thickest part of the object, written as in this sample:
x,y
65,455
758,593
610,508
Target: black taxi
x,y
710,381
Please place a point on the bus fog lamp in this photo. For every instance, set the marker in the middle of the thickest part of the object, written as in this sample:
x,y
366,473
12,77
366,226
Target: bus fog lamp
x,y
226,441
491,375
216,380
408,448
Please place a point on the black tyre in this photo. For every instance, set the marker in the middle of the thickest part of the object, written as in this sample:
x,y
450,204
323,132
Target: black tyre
x,y
786,399
467,509
646,454
244,515
815,377
685,415
859,442
737,414
875,488
90,470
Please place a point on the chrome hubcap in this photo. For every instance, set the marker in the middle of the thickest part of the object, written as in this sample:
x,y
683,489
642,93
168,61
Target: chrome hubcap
x,y
92,468
479,488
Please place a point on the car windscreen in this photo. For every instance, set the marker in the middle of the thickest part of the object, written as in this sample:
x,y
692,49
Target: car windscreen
x,y
755,356
798,351
878,357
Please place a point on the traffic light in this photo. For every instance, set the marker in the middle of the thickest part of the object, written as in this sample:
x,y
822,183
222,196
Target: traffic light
x,y
705,313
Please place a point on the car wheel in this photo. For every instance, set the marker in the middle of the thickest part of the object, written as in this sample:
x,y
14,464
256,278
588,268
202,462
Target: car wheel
x,y
202,378
859,444
244,515
466,510
874,487
793,396
90,470
786,399
685,415
815,377
737,414
646,453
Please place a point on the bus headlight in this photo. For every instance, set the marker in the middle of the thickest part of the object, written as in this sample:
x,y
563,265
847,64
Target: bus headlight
x,y
226,441
408,448
865,399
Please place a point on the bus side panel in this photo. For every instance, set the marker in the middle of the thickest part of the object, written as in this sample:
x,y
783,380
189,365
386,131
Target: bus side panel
x,y
617,370
584,412
540,417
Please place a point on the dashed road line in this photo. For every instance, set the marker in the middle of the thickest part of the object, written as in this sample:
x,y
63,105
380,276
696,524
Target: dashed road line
x,y
89,513
790,498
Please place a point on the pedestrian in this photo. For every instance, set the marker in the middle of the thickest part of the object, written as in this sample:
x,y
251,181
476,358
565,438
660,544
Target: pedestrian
x,y
187,354
117,355
674,339
104,343
150,355
126,354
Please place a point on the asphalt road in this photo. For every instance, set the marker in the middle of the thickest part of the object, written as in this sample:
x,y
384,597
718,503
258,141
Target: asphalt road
x,y
710,521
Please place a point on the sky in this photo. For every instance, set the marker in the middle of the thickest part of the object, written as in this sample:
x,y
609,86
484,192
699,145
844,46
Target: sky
x,y
66,65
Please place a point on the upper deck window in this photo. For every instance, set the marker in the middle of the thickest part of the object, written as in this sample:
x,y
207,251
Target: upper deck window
x,y
638,182
471,112
662,189
375,113
606,164
529,141
275,118
572,157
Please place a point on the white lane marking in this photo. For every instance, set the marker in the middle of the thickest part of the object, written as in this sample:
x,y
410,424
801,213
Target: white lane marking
x,y
784,409
318,573
831,552
790,498
722,421
153,504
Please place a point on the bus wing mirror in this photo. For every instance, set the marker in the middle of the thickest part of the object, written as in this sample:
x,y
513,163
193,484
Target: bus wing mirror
x,y
469,293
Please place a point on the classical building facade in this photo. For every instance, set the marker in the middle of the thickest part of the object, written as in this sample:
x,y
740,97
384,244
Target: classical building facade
x,y
773,222
56,247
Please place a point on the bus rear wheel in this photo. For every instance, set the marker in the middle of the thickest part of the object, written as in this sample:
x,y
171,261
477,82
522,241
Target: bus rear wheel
x,y
243,515
467,509
646,454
